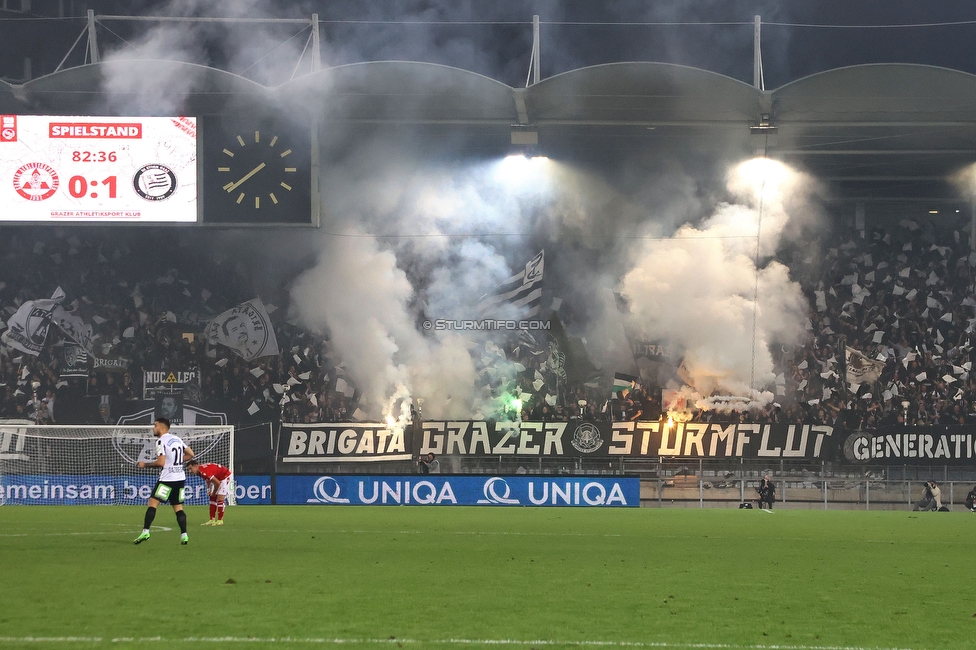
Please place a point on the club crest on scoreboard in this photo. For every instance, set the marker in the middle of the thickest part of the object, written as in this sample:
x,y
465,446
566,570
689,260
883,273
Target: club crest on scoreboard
x,y
154,182
36,181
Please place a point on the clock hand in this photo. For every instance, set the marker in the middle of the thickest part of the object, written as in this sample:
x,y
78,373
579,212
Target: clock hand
x,y
233,186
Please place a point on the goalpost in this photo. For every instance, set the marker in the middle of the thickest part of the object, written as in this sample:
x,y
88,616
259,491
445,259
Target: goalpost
x,y
96,465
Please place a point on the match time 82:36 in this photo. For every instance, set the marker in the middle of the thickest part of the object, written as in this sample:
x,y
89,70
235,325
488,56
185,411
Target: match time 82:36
x,y
94,156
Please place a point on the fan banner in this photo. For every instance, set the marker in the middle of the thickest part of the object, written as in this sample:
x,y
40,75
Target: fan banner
x,y
318,443
452,490
944,445
168,381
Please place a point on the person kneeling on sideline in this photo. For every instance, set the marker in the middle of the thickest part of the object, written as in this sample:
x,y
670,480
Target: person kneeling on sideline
x,y
767,493
931,500
217,478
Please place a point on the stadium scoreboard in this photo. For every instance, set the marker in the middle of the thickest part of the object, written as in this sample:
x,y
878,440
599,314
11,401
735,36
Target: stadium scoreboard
x,y
96,169
85,169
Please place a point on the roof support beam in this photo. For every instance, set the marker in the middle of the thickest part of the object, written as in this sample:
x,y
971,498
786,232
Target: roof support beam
x,y
757,71
536,50
92,38
875,152
316,44
880,179
520,109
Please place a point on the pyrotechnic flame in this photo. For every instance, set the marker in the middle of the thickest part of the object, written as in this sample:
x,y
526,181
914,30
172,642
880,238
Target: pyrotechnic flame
x,y
400,400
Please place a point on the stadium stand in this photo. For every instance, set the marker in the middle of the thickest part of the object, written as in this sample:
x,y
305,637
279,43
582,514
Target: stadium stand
x,y
902,294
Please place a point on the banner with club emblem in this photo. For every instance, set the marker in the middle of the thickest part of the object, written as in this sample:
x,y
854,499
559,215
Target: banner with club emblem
x,y
336,442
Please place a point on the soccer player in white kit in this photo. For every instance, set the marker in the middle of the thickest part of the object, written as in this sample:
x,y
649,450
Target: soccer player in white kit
x,y
171,453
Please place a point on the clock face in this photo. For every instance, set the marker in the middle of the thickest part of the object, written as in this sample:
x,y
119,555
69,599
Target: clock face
x,y
256,175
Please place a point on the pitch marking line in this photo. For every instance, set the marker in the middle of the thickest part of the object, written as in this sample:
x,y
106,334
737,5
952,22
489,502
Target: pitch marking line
x,y
448,642
154,528
426,532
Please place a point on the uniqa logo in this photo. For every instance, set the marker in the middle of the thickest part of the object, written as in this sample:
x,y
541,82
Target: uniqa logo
x,y
322,489
492,496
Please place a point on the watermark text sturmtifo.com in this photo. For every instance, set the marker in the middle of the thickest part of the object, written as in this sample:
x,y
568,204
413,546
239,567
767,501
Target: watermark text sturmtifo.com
x,y
489,324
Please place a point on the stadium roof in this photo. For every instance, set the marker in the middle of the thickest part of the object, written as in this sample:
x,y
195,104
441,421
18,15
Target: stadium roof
x,y
874,130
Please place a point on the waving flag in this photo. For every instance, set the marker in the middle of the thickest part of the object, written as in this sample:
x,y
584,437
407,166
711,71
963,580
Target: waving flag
x,y
524,290
246,329
27,328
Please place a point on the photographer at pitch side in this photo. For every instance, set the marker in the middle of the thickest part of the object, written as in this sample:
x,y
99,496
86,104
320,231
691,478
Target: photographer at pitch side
x,y
428,464
931,500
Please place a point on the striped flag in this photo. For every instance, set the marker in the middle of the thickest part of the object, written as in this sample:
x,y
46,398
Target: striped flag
x,y
522,290
622,384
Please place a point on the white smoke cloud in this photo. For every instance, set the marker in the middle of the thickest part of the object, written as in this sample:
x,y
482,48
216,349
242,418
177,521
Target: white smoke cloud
x,y
370,292
699,289
360,298
418,239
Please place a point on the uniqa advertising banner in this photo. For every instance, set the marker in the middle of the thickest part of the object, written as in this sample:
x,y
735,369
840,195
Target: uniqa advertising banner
x,y
449,490
317,443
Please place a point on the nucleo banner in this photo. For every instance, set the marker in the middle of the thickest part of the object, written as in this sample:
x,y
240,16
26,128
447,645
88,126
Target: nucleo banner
x,y
95,169
436,490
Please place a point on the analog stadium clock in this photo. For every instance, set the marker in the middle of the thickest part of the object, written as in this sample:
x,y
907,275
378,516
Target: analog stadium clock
x,y
256,174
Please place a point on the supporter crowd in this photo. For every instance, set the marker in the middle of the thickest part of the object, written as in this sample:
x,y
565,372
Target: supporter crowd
x,y
148,312
902,295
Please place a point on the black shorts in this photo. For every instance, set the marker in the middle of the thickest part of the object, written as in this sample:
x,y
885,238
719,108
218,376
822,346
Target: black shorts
x,y
170,492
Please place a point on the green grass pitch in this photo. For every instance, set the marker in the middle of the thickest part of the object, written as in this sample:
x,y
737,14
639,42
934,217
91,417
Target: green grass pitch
x,y
70,577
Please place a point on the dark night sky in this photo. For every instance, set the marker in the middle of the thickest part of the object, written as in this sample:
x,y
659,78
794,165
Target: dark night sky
x,y
502,51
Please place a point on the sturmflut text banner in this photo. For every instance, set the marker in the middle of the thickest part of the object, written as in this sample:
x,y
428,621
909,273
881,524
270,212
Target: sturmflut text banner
x,y
364,490
363,442
87,490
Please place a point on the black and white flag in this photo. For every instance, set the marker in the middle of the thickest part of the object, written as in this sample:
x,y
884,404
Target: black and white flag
x,y
861,369
27,328
73,326
523,290
73,361
246,329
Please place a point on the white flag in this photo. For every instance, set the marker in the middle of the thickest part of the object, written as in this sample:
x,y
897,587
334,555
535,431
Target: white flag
x,y
246,329
861,369
27,328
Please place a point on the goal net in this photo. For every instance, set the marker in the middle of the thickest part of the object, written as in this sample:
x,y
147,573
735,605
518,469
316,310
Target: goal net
x,y
96,465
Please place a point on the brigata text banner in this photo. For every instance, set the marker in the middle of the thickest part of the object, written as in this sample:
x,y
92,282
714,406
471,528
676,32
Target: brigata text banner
x,y
449,490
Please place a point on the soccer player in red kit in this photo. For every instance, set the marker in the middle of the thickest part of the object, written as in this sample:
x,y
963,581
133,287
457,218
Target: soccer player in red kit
x,y
217,478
